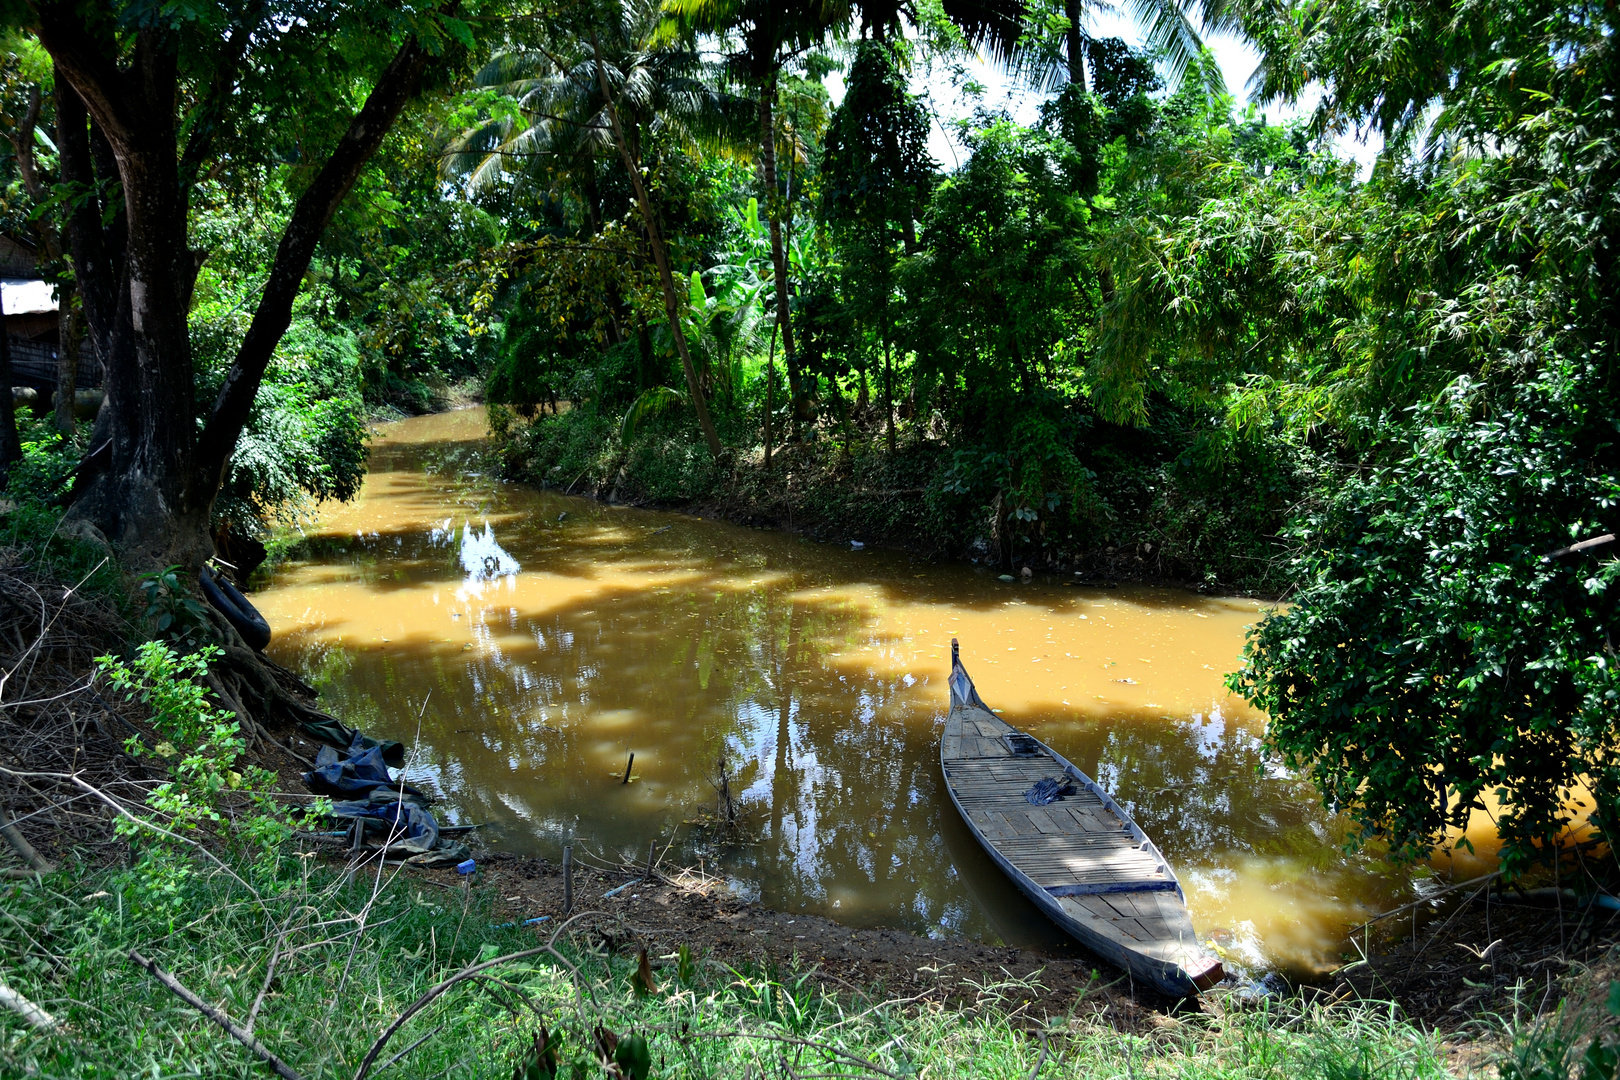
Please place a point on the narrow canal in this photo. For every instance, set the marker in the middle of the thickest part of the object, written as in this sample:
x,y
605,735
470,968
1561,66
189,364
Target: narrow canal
x,y
550,637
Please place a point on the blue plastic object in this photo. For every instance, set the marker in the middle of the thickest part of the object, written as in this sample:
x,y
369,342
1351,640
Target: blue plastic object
x,y
466,867
1048,791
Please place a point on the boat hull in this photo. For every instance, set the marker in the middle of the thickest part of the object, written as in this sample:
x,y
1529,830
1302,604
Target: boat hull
x,y
1079,858
1183,979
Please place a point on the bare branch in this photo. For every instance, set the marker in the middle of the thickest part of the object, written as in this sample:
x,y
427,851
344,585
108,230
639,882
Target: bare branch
x,y
281,1067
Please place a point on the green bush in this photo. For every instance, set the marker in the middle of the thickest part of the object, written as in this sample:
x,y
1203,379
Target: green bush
x,y
31,511
1436,655
211,789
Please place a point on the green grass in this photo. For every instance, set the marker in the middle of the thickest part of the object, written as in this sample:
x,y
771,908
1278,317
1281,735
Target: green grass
x,y
352,953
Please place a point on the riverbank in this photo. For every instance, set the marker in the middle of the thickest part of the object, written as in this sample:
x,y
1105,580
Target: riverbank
x,y
1471,966
1142,514
335,971
322,954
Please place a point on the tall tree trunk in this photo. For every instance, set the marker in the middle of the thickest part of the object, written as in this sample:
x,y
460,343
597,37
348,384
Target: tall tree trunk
x,y
772,205
770,394
644,355
67,356
149,501
1073,41
888,384
10,445
89,169
96,250
655,239
154,497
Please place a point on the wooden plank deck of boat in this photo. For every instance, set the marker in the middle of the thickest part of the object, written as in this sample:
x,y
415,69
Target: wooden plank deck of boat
x,y
1081,858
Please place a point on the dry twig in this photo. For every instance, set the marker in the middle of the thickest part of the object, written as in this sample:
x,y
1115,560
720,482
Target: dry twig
x,y
281,1067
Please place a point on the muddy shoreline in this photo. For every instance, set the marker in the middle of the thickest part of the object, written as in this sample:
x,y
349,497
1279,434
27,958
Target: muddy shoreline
x,y
618,908
1476,959
775,509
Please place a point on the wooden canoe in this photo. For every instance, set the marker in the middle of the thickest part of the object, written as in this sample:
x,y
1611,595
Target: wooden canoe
x,y
1081,859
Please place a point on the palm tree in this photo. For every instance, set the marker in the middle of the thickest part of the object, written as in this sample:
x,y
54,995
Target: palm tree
x,y
549,135
606,82
1169,34
763,36
767,35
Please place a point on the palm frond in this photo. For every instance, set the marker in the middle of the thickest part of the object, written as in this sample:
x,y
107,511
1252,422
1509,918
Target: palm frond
x,y
466,151
509,67
652,403
1170,35
993,25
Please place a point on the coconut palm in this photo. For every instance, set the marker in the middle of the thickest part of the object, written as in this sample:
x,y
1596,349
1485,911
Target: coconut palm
x,y
604,84
1172,33
763,36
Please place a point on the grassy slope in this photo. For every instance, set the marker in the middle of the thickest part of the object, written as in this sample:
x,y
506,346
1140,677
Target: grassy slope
x,y
352,953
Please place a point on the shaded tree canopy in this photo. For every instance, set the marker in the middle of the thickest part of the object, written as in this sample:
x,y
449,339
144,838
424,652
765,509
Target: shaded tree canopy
x,y
174,99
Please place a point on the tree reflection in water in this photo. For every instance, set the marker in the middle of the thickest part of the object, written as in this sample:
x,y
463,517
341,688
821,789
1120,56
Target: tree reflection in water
x,y
586,632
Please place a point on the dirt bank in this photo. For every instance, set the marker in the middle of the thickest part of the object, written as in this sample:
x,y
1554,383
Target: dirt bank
x,y
685,907
1478,955
893,499
1488,955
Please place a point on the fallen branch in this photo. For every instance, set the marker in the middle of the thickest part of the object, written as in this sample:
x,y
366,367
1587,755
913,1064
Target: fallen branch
x,y
426,999
281,1067
36,1016
1046,1048
1425,899
21,845
411,1047
472,972
45,629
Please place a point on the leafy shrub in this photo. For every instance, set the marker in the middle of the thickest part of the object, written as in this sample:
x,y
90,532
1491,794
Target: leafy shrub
x,y
171,610
565,449
305,438
670,466
204,746
1437,654
31,515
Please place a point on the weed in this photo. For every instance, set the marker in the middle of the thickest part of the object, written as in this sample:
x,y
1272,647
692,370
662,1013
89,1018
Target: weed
x,y
209,789
172,611
325,959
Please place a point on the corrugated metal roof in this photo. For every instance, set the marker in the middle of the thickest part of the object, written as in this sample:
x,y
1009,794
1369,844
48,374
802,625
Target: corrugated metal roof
x,y
23,296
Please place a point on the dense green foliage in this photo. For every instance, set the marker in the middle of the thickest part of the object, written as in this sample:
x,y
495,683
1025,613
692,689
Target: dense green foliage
x,y
1145,334
952,317
1149,333
385,319
1491,675
1439,653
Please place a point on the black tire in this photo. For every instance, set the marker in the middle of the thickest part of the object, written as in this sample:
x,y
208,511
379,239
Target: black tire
x,y
237,611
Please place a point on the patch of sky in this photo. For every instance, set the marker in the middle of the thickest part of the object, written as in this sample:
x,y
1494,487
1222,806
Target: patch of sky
x,y
954,89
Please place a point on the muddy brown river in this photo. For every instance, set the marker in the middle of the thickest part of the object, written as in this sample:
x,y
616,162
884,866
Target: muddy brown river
x,y
543,639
